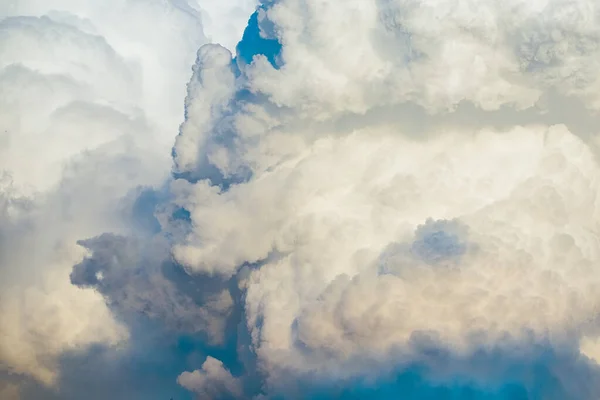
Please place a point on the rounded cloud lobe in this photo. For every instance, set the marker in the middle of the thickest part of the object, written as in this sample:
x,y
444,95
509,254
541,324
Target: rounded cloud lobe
x,y
212,381
370,198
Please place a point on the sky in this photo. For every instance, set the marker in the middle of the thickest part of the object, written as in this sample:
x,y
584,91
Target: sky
x,y
299,199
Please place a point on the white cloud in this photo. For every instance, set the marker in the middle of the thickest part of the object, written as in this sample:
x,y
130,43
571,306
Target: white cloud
x,y
399,50
41,321
224,22
382,115
92,97
396,174
212,381
526,196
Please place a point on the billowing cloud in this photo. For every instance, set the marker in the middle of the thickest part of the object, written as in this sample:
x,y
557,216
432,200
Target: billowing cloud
x,y
212,381
141,279
92,94
369,198
393,176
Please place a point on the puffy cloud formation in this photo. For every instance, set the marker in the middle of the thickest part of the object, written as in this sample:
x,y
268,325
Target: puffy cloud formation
x,y
135,278
369,199
92,93
395,182
212,381
224,22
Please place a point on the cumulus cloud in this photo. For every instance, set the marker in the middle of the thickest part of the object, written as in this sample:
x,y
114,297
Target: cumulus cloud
x,y
92,94
212,381
353,227
224,22
398,51
141,279
367,197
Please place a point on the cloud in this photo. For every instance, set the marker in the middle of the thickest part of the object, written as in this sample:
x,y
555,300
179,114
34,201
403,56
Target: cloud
x,y
42,314
9,391
142,280
44,320
398,51
314,182
224,22
212,381
92,96
367,197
